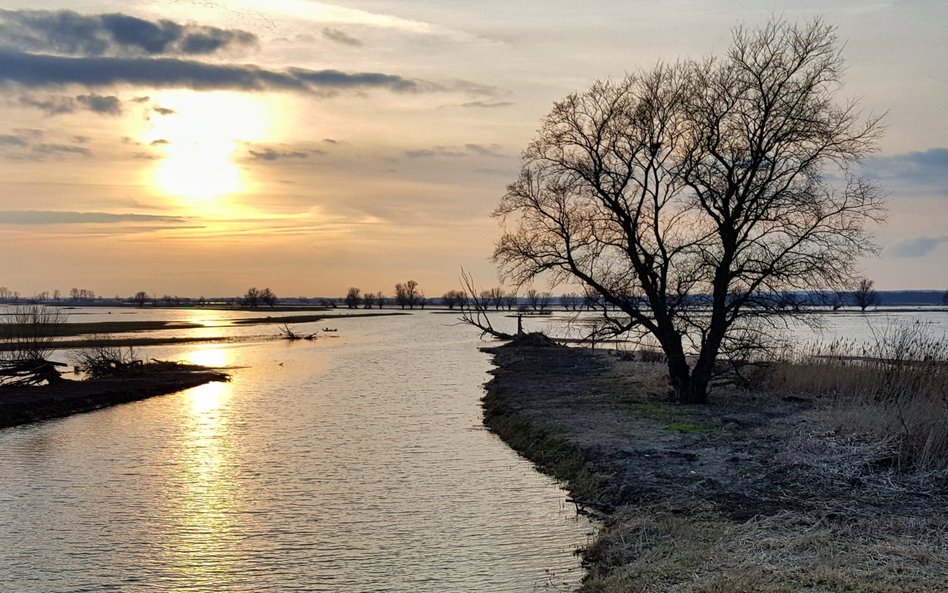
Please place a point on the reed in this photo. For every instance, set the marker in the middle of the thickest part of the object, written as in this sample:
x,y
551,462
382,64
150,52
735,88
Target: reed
x,y
893,389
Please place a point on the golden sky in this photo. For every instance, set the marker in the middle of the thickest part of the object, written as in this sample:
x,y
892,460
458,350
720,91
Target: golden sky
x,y
202,147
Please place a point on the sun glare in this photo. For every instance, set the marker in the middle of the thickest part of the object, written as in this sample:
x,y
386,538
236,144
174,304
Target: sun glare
x,y
199,135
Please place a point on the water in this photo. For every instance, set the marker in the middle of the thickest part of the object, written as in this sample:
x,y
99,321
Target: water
x,y
356,463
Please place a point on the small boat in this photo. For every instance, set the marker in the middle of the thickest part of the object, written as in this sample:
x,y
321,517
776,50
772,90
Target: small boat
x,y
330,329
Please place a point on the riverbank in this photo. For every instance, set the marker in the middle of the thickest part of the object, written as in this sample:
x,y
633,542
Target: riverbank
x,y
23,405
755,493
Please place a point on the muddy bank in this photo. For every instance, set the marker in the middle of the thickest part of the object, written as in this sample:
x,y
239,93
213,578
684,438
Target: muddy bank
x,y
22,405
754,493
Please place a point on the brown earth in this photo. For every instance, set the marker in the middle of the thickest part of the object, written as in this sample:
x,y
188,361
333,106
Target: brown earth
x,y
755,493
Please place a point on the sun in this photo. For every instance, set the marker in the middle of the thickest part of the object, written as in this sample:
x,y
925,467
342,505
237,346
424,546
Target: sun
x,y
198,136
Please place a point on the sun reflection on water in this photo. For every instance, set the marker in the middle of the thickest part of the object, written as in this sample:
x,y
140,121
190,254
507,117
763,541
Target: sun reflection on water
x,y
204,501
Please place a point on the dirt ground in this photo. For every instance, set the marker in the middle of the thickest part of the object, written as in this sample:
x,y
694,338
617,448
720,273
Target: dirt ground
x,y
753,493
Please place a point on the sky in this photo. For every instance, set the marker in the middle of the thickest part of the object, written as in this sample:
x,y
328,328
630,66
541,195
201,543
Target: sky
x,y
200,147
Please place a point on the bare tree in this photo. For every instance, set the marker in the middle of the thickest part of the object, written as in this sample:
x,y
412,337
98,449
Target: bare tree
x,y
865,294
380,299
401,295
353,298
268,298
368,300
689,197
140,298
451,298
251,298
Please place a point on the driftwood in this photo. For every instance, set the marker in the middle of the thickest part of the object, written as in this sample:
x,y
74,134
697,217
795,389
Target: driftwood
x,y
31,371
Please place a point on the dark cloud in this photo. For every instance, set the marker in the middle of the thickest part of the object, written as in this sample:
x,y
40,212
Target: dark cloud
x,y
70,33
58,105
163,110
917,246
99,104
922,170
274,155
41,71
158,142
340,37
46,217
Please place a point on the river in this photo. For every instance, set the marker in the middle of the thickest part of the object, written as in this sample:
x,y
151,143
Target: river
x,y
353,463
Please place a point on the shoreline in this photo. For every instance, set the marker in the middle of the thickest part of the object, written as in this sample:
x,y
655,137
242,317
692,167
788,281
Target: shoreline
x,y
27,405
751,493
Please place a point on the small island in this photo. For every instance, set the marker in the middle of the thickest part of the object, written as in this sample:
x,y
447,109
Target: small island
x,y
23,404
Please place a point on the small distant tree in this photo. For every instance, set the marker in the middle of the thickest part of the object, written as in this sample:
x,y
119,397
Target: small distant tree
x,y
140,298
380,299
412,293
450,299
368,300
401,295
353,297
495,298
251,298
865,294
510,299
268,298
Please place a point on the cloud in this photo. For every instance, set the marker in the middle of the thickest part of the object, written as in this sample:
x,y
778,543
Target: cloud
x,y
917,246
42,71
61,149
163,111
454,152
926,170
11,140
340,37
48,217
99,104
70,33
485,104
59,105
29,145
273,155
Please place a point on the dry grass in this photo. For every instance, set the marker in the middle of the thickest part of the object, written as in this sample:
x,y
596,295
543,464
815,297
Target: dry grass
x,y
658,548
894,390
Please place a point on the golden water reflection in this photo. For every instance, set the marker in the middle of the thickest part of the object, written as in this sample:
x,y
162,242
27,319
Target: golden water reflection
x,y
203,500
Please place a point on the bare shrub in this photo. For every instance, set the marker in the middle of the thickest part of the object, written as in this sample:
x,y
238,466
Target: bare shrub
x,y
27,341
101,358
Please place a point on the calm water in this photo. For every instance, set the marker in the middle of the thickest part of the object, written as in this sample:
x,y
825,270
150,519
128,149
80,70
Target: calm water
x,y
349,464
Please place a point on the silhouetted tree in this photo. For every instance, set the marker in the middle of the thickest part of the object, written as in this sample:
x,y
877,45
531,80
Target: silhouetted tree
x,y
865,294
268,298
368,300
700,182
451,298
353,297
140,298
251,298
